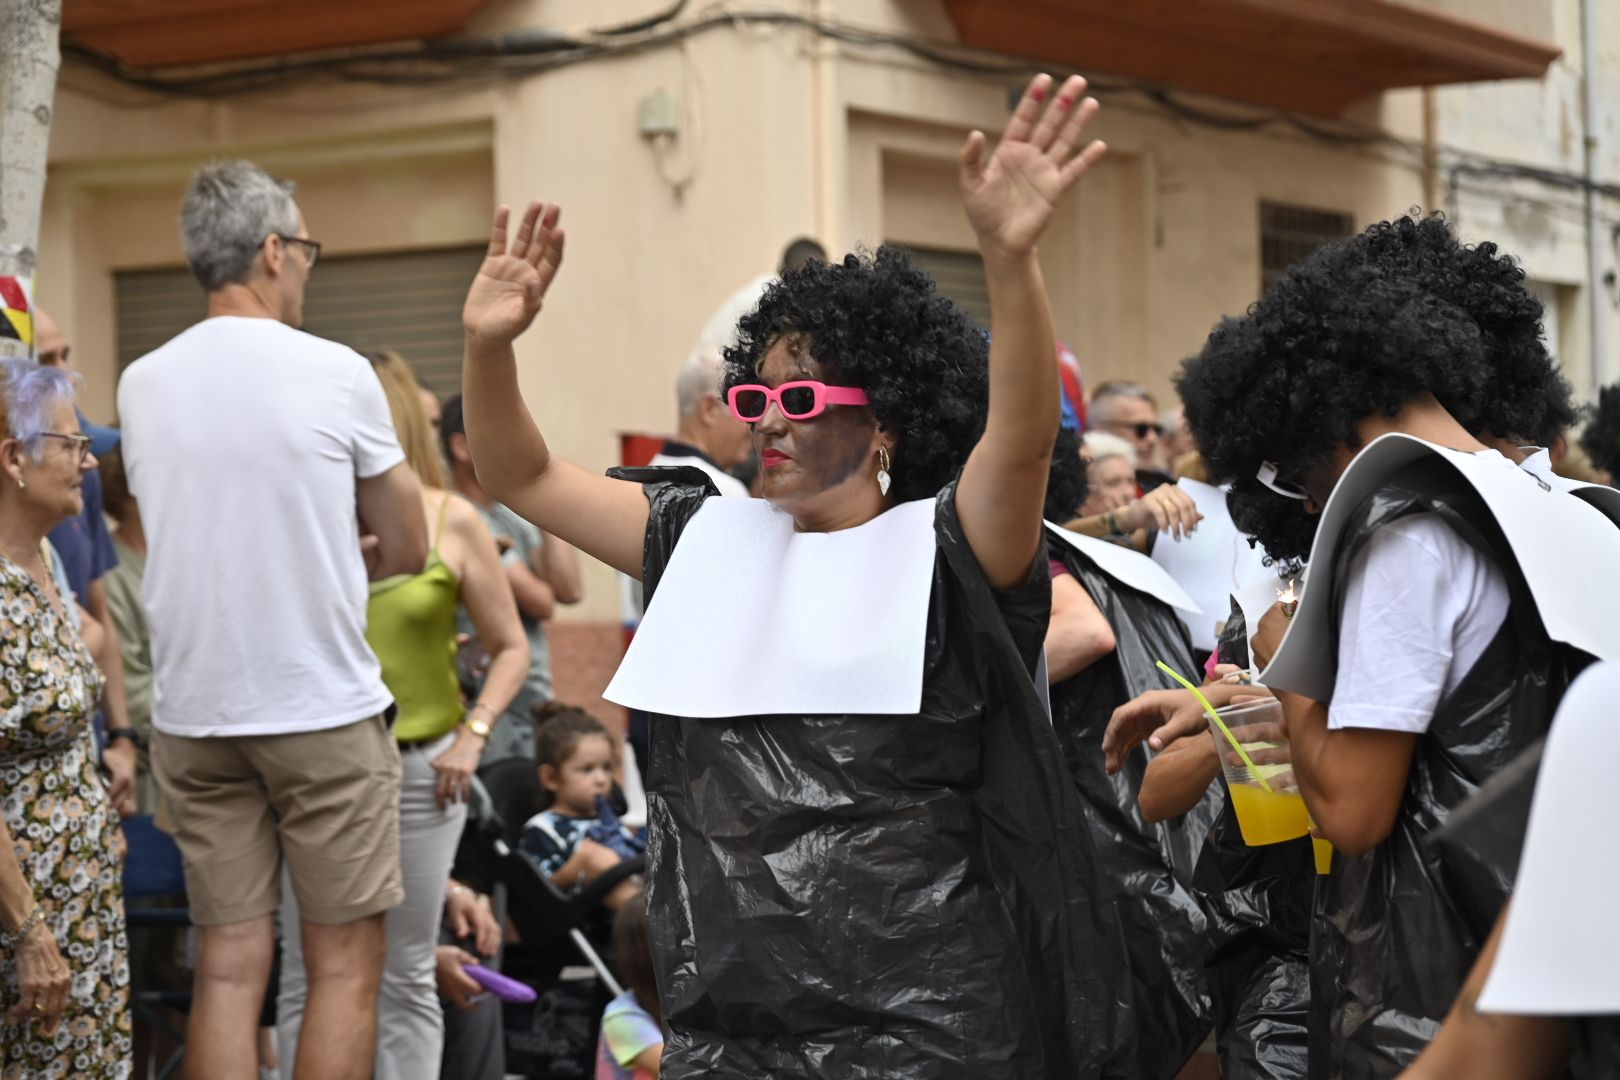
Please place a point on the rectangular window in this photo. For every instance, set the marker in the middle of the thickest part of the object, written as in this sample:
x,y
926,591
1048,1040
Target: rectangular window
x,y
1289,233
959,275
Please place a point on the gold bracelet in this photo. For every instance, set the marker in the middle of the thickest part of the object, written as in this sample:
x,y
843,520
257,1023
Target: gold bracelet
x,y
24,928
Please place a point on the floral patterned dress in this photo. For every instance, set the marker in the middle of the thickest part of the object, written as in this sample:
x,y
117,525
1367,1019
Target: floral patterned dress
x,y
65,837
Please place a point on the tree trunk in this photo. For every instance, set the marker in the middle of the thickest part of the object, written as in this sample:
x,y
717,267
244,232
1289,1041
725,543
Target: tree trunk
x,y
29,57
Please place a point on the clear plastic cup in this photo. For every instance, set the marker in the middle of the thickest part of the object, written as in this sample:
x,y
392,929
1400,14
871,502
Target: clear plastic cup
x,y
1269,812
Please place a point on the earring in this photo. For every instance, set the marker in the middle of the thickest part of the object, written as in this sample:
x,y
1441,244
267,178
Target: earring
x,y
21,483
883,470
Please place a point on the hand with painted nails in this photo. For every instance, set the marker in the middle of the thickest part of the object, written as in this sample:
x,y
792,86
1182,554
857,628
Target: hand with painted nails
x,y
1012,193
513,280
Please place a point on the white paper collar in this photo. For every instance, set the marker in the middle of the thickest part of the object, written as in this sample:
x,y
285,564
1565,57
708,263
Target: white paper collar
x,y
751,618
1129,568
1564,547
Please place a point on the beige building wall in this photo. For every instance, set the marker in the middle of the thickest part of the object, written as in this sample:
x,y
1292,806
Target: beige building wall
x,y
782,135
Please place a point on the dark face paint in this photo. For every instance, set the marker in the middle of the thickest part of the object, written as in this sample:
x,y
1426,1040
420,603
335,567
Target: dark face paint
x,y
831,450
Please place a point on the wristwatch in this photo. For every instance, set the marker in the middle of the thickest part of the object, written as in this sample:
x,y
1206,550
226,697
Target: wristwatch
x,y
476,724
130,733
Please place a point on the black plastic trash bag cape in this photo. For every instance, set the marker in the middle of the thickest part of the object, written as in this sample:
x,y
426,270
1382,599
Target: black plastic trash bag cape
x,y
883,896
1257,901
1396,931
1489,830
1150,864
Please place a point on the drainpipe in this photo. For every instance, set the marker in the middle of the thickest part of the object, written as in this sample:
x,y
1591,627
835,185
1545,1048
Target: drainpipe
x,y
1602,369
1431,151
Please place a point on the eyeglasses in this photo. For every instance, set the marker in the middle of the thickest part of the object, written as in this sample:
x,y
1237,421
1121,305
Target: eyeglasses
x,y
79,442
802,400
1141,430
312,248
1288,489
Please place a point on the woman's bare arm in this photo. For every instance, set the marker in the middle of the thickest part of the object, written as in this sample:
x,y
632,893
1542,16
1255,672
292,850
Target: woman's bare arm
x,y
1078,635
1010,196
604,518
488,600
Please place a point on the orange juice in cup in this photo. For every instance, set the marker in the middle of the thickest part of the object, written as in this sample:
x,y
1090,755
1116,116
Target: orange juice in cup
x,y
1260,780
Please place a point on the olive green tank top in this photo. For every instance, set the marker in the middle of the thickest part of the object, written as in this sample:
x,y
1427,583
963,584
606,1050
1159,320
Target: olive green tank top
x,y
411,626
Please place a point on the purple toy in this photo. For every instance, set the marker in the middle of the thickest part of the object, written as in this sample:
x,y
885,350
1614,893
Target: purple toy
x,y
499,985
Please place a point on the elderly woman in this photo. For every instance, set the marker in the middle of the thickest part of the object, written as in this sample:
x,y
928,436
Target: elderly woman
x,y
1110,473
866,858
411,626
66,982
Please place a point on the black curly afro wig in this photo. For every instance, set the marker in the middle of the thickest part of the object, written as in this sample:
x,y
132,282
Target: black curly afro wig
x,y
1526,398
1336,339
1066,486
878,323
1601,439
1283,527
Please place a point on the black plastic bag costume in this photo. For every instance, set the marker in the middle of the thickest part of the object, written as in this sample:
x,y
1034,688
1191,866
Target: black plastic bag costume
x,y
1395,932
1257,901
883,896
1151,865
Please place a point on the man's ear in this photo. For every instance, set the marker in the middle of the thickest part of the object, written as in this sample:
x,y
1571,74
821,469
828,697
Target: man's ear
x,y
273,255
458,447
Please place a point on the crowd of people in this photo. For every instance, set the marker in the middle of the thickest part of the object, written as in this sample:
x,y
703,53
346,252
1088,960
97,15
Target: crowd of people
x,y
921,799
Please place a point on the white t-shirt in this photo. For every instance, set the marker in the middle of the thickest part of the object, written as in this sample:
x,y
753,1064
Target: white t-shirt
x,y
723,481
1421,606
243,439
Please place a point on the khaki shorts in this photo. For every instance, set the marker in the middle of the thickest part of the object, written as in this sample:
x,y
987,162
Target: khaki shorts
x,y
325,801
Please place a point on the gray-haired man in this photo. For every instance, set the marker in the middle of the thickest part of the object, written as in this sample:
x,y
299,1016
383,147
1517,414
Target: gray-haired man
x,y
260,455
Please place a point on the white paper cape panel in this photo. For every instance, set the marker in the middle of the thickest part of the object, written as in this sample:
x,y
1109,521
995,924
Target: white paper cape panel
x,y
1560,952
1564,546
752,618
1129,568
1606,499
1213,563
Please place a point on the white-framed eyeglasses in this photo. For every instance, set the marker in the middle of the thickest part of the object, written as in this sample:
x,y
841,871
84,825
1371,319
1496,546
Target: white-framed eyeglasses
x,y
1267,475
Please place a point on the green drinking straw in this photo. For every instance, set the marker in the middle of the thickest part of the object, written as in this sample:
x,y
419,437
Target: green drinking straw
x,y
1213,715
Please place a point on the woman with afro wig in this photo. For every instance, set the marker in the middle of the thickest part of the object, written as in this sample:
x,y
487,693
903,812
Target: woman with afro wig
x,y
851,891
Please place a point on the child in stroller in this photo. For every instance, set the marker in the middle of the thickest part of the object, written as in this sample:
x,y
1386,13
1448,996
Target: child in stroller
x,y
578,838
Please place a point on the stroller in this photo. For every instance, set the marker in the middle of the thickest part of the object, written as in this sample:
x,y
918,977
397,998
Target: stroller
x,y
562,937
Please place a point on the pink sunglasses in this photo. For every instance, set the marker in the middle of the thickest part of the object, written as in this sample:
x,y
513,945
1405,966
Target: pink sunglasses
x,y
800,400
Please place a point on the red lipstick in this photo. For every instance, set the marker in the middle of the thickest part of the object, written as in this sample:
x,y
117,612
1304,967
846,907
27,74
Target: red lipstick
x,y
773,458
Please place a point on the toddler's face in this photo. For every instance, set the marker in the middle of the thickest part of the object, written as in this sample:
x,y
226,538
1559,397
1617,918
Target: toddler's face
x,y
585,774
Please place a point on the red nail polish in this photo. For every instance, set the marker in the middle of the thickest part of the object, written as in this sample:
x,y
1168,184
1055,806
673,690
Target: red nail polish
x,y
1064,103
1038,93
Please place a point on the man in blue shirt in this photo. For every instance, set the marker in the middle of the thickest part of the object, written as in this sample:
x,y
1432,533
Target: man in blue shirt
x,y
86,550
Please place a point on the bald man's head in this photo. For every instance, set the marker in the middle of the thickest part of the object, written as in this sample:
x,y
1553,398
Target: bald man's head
x,y
50,344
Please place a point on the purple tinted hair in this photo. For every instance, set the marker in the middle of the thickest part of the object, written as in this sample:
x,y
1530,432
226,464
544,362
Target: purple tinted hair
x,y
32,392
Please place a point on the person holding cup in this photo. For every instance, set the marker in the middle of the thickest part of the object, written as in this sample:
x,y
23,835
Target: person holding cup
x,y
1424,649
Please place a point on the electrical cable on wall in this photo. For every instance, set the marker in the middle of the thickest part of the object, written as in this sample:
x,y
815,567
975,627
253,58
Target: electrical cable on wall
x,y
531,52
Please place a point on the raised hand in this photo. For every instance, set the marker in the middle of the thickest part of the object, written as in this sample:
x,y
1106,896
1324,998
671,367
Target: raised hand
x,y
1011,194
505,296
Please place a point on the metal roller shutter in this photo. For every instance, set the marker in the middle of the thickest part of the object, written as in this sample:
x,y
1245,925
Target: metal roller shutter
x,y
408,301
959,275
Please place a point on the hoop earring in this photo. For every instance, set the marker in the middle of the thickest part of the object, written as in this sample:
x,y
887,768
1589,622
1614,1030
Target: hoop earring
x,y
883,477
